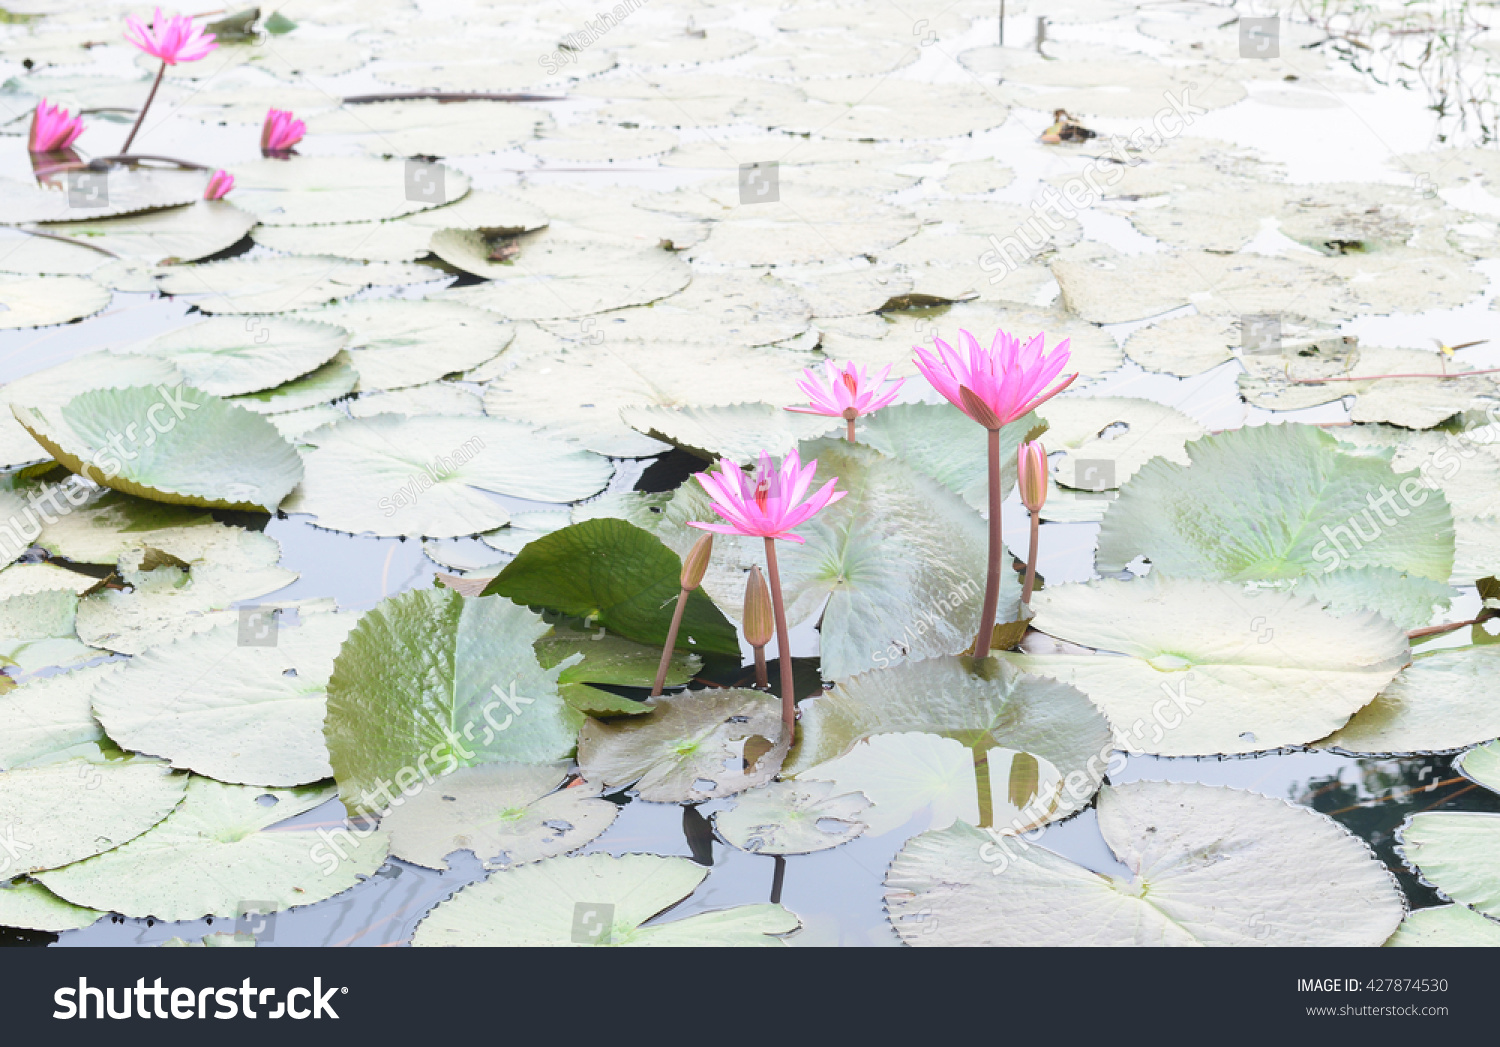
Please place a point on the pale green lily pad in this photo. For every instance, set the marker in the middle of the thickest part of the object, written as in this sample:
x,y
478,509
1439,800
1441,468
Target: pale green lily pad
x,y
552,278
611,659
1280,502
694,746
326,190
44,300
1441,702
1185,345
1445,926
282,283
1208,866
394,241
21,522
604,896
426,476
1457,852
167,237
32,906
37,631
579,391
1211,668
445,398
506,814
1408,600
601,143
297,424
256,718
1482,765
985,707
427,127
739,432
1103,441
575,211
93,195
432,675
65,811
947,445
217,853
230,356
25,579
24,252
793,818
525,528
781,232
196,450
51,716
395,343
334,379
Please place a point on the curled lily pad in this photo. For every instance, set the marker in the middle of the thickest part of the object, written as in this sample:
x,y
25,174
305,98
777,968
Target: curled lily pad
x,y
217,853
1211,668
506,814
256,719
61,812
597,899
1207,866
692,747
171,445
793,818
430,681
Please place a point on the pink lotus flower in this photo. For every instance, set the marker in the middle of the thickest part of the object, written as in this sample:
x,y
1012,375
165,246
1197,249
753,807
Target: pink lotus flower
x,y
219,185
280,132
768,505
1031,475
997,386
52,128
173,40
849,392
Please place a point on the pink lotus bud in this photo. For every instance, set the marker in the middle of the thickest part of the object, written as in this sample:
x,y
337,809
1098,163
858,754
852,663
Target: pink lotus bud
x,y
1031,474
219,185
280,132
53,128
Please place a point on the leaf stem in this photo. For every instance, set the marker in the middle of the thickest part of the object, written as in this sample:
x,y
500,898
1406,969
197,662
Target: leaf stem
x,y
783,643
1447,627
149,99
992,572
666,652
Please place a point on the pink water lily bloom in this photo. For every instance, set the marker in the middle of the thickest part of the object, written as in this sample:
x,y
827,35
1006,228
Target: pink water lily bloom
x,y
1031,474
768,504
280,132
846,392
52,128
173,40
219,185
995,386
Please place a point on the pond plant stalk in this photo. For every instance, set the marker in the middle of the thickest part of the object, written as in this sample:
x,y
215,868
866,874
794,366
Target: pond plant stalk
x,y
171,40
994,387
694,564
768,505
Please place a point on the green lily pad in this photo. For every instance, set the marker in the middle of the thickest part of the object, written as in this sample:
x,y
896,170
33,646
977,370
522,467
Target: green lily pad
x,y
1207,866
793,818
51,715
947,445
61,812
281,283
598,899
432,675
41,301
506,814
1458,852
609,659
30,905
181,446
1210,668
1441,702
257,719
166,237
230,356
93,195
623,576
694,746
217,853
739,432
1445,926
427,476
334,379
398,343
1125,432
325,190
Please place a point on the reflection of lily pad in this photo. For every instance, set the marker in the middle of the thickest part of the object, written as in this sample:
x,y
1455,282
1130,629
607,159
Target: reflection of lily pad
x,y
1208,866
598,899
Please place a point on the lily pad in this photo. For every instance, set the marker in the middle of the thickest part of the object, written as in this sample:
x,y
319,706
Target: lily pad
x,y
947,445
51,716
180,446
426,476
91,195
694,746
434,676
1441,702
280,284
1100,442
166,237
61,812
1207,866
1445,926
792,818
256,718
325,190
1458,853
606,897
396,343
229,356
44,300
619,574
33,907
427,127
334,379
216,851
1210,668
506,814
739,432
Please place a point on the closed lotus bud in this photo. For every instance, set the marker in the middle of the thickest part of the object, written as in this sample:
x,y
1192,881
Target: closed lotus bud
x,y
1031,474
695,563
759,625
